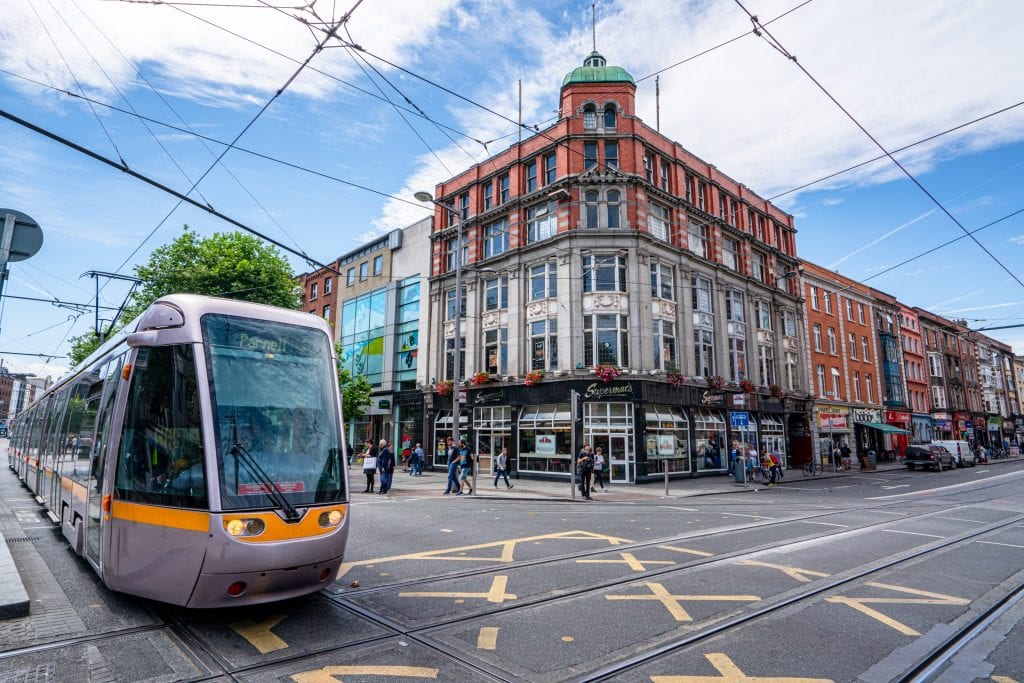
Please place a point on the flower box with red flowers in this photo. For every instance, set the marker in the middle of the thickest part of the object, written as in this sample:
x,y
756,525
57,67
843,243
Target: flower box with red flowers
x,y
676,379
776,391
443,388
716,381
747,386
607,372
533,377
480,378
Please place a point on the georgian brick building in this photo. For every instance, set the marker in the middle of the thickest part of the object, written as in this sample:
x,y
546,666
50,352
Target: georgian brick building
x,y
915,371
598,245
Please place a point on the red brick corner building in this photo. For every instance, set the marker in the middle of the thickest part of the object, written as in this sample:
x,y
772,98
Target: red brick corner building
x,y
603,258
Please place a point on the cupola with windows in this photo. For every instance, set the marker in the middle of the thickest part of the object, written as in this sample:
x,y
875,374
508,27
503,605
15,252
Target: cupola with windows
x,y
599,86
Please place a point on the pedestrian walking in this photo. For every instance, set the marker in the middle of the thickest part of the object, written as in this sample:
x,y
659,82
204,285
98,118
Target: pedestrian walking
x,y
598,469
585,467
501,468
416,469
465,468
453,467
386,465
369,465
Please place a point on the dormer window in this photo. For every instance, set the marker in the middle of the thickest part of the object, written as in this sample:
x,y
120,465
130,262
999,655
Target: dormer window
x,y
589,117
609,117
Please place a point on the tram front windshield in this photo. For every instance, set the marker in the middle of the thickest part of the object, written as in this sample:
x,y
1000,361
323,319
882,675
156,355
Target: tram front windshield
x,y
273,387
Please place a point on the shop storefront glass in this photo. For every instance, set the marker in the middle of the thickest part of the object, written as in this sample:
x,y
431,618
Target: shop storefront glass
x,y
609,426
545,438
668,439
442,430
711,452
773,438
492,426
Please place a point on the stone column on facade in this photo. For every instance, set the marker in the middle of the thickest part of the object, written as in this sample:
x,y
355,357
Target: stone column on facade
x,y
641,319
684,315
570,308
516,323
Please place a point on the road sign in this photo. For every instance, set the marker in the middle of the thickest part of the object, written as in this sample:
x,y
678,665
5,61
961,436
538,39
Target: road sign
x,y
27,236
739,419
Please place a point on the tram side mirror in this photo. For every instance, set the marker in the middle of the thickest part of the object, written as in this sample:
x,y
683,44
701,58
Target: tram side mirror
x,y
137,339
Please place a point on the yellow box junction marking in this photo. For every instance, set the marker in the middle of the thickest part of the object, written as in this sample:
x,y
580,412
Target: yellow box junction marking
x,y
861,604
495,594
730,672
506,555
327,674
628,559
671,602
259,635
488,638
688,551
794,572
1003,679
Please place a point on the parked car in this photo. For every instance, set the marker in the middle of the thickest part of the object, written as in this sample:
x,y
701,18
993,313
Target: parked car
x,y
929,455
963,455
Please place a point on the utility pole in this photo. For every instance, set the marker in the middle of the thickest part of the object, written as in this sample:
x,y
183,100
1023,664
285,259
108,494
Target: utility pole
x,y
96,275
574,402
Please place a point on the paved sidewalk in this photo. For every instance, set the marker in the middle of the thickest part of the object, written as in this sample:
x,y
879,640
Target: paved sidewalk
x,y
432,483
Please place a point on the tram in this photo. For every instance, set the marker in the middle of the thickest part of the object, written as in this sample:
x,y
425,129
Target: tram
x,y
197,458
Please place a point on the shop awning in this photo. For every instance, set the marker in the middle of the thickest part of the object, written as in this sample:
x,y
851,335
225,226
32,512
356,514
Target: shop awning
x,y
884,428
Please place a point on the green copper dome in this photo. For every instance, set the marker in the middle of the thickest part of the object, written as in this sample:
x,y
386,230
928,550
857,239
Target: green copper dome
x,y
596,70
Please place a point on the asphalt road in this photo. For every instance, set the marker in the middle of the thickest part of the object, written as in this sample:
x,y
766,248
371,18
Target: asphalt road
x,y
901,576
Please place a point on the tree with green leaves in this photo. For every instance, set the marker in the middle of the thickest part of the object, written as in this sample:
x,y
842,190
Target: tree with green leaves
x,y
233,265
355,394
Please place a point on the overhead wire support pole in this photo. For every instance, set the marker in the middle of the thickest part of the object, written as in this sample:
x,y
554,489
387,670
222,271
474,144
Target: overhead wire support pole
x,y
96,275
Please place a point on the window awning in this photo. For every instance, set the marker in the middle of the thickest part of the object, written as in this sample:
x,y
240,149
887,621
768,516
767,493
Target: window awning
x,y
887,429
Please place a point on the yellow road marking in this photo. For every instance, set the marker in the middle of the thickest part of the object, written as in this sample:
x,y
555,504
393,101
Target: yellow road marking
x,y
861,604
730,672
798,574
327,674
629,559
495,594
488,638
1002,679
672,602
507,549
259,635
699,553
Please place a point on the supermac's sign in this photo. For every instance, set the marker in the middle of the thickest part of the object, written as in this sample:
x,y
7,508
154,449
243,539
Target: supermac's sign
x,y
600,391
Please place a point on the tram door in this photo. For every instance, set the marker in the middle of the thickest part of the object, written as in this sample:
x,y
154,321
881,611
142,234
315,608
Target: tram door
x,y
109,376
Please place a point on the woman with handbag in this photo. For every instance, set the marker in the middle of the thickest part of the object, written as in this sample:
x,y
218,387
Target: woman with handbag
x,y
369,465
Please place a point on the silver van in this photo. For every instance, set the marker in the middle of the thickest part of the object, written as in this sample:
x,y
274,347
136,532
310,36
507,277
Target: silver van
x,y
963,454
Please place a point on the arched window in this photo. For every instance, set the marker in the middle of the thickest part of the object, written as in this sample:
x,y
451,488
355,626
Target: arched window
x,y
589,117
591,205
609,117
602,209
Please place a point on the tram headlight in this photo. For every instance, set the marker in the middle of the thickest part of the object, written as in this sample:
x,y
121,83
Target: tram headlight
x,y
331,518
245,527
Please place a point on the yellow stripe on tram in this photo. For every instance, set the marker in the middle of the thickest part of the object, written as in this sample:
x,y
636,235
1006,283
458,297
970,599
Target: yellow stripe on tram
x,y
189,520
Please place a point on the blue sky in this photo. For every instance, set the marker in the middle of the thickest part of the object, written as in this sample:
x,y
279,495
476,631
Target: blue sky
x,y
906,71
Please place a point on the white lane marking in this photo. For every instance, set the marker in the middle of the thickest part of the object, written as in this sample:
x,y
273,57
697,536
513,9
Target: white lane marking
x,y
736,514
447,531
671,507
910,533
844,526
1008,545
850,486
960,519
1011,475
897,486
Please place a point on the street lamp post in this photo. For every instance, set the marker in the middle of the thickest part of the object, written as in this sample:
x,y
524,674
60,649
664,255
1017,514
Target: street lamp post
x,y
457,369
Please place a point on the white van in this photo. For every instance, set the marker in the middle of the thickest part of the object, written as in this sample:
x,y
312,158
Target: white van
x,y
963,455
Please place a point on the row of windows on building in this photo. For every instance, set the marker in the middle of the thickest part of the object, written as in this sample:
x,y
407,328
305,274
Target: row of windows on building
x,y
606,335
363,325
833,349
826,302
830,385
350,277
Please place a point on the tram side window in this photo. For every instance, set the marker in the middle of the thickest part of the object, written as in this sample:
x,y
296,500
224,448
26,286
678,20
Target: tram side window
x,y
111,374
78,430
161,456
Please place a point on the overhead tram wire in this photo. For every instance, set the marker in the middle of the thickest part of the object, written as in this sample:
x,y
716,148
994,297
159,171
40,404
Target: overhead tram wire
x,y
244,150
252,121
141,76
160,186
761,31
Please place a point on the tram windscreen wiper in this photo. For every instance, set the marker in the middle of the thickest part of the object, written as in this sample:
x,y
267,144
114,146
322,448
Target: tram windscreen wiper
x,y
273,491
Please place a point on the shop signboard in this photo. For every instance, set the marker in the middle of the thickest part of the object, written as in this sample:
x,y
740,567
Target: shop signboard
x,y
610,391
864,415
666,444
489,396
545,444
995,424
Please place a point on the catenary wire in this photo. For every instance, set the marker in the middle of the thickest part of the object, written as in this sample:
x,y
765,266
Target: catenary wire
x,y
761,31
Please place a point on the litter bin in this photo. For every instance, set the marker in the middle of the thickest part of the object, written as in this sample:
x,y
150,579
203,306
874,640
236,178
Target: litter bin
x,y
872,460
739,470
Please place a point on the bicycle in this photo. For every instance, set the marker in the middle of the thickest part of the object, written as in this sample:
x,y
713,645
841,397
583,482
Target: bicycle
x,y
812,469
